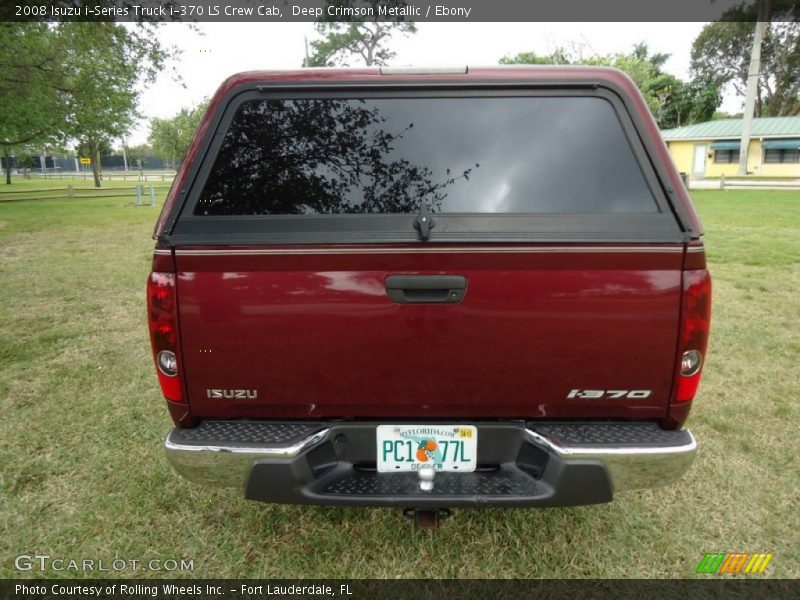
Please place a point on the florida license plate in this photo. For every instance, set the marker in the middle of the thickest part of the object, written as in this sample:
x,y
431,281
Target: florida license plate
x,y
445,447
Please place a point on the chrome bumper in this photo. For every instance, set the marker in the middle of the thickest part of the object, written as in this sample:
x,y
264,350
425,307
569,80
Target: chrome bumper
x,y
229,466
627,464
630,467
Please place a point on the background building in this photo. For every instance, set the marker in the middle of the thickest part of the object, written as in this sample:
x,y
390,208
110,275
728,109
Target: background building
x,y
712,149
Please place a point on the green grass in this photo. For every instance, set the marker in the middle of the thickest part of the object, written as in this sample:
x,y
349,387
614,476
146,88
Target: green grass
x,y
83,475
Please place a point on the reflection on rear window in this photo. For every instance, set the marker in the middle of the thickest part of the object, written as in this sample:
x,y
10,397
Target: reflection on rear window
x,y
455,155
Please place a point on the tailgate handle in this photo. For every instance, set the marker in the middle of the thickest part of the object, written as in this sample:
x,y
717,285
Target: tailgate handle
x,y
413,289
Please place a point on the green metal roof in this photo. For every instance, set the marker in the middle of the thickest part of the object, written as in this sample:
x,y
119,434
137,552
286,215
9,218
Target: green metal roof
x,y
732,128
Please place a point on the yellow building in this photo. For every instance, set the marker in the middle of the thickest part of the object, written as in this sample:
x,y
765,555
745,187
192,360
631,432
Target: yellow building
x,y
712,149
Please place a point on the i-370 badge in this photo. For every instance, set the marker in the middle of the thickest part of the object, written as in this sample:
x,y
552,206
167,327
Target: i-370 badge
x,y
613,394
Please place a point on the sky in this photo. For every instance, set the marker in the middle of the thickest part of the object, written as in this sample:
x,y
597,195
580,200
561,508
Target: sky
x,y
214,51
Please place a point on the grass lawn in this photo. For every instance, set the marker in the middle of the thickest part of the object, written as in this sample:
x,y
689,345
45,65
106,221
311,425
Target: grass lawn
x,y
83,474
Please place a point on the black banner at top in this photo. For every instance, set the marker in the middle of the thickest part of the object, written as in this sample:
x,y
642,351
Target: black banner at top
x,y
463,11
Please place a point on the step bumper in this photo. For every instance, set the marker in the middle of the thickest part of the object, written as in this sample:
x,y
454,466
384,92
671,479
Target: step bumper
x,y
520,463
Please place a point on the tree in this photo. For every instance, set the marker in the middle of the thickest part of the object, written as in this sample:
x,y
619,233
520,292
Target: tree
x,y
102,147
73,80
675,103
366,40
140,152
31,87
559,56
105,63
721,56
170,138
672,101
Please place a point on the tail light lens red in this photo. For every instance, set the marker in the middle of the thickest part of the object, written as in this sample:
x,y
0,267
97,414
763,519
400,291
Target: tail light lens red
x,y
162,318
695,323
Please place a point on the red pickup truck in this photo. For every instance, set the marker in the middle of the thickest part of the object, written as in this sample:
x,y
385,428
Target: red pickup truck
x,y
429,289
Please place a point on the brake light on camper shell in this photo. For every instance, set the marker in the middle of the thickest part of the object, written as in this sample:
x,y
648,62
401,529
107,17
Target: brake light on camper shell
x,y
695,323
162,318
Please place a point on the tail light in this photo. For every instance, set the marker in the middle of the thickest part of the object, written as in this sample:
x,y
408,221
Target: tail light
x,y
695,322
162,318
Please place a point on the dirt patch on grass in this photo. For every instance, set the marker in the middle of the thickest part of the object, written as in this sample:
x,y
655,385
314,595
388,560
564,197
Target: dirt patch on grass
x,y
15,250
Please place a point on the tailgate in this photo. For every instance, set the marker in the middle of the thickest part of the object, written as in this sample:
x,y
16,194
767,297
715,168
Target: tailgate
x,y
540,331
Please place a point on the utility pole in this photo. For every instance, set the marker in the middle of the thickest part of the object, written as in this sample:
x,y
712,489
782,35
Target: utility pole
x,y
124,157
305,40
753,74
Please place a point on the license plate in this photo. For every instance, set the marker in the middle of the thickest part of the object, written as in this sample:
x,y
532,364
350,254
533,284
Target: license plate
x,y
445,447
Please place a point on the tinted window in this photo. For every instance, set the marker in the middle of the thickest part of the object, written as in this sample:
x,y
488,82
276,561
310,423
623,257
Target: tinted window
x,y
781,156
458,155
726,156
